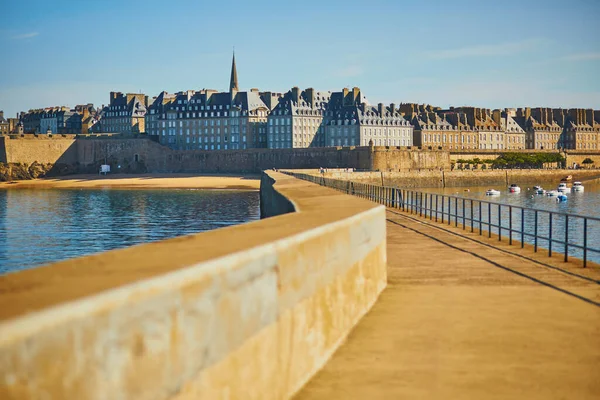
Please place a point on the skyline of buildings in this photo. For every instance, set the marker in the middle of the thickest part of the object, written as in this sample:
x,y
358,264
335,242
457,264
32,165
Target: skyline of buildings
x,y
211,120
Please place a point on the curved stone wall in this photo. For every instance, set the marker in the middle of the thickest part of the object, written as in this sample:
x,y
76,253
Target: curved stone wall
x,y
244,312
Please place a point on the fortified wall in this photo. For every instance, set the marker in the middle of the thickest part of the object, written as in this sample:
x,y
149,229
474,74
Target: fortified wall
x,y
84,154
245,312
457,178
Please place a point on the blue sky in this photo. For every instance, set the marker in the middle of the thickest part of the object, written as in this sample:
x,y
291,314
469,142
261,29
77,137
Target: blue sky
x,y
490,54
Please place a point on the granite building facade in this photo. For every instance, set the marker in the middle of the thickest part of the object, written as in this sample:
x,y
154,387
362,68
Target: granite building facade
x,y
125,113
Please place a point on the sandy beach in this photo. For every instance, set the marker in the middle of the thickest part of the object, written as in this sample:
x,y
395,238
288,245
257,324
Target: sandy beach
x,y
142,181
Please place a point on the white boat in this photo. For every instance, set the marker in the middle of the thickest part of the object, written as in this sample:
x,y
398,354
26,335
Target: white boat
x,y
577,187
514,188
552,193
563,188
492,192
536,188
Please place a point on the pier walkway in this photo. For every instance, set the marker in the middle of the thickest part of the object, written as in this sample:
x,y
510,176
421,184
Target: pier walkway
x,y
461,319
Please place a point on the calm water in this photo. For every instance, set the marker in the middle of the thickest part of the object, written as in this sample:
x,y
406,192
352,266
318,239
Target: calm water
x,y
42,226
586,203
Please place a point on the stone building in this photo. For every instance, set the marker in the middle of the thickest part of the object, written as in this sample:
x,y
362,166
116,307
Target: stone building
x,y
297,119
4,126
581,129
60,120
352,121
430,128
542,131
90,118
212,120
514,134
125,113
311,118
31,120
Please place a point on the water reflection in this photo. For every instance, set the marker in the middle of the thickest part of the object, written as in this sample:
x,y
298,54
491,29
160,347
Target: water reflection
x,y
42,226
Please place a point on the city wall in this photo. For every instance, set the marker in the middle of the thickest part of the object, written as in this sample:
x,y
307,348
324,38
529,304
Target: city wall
x,y
85,154
244,312
456,178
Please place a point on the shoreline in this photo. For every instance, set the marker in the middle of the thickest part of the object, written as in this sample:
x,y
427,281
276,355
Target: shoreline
x,y
140,181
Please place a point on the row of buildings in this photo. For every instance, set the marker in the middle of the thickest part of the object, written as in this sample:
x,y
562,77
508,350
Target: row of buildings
x,y
211,120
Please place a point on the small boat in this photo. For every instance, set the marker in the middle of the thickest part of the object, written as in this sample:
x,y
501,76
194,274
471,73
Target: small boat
x,y
566,178
536,188
562,197
514,188
539,190
577,187
492,192
552,193
563,188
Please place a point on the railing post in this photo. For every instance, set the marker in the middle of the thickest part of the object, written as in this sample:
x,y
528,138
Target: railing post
x,y
499,222
535,232
436,207
480,218
550,237
522,227
566,237
471,215
464,208
449,211
443,209
456,212
584,242
489,220
510,225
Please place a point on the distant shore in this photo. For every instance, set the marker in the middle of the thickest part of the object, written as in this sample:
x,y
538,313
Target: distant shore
x,y
141,181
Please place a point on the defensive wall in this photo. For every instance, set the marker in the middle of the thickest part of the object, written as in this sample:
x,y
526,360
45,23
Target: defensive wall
x,y
85,153
455,178
244,312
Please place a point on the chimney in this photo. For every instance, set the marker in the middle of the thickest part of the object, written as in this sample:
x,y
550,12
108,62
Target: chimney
x,y
497,116
381,109
363,106
1,114
310,94
392,108
355,95
295,93
589,117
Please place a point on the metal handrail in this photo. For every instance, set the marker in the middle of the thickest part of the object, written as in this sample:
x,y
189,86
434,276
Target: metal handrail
x,y
440,206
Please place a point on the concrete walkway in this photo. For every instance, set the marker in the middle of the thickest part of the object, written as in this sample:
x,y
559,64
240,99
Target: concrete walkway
x,y
462,320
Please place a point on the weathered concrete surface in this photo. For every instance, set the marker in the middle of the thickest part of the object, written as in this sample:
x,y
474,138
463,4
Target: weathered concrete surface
x,y
245,312
451,325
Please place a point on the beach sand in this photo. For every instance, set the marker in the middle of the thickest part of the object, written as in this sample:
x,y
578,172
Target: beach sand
x,y
141,181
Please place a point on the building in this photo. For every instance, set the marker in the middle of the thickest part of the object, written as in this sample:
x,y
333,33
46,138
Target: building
x,y
514,134
90,118
581,129
60,120
297,120
430,129
542,131
125,113
31,120
212,120
311,118
4,125
351,121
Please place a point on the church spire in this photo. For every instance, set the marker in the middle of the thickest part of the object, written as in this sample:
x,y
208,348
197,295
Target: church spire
x,y
233,82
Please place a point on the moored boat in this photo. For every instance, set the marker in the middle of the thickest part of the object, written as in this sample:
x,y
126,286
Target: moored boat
x,y
514,188
562,197
492,192
552,193
577,187
563,188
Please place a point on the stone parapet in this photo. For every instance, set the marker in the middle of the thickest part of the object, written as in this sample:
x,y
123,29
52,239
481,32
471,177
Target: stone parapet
x,y
244,312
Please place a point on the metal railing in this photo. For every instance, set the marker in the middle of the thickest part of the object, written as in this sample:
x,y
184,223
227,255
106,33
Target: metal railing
x,y
541,228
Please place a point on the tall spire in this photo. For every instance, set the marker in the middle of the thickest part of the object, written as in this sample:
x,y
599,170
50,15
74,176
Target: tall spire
x,y
233,82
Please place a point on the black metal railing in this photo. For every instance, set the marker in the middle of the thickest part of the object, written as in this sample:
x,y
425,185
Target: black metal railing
x,y
541,228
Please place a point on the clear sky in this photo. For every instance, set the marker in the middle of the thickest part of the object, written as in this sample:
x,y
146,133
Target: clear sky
x,y
485,53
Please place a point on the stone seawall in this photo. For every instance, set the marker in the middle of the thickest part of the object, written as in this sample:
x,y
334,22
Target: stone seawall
x,y
425,179
245,312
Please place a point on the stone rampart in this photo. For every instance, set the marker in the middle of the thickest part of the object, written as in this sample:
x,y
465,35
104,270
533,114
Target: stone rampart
x,y
244,312
42,149
457,178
